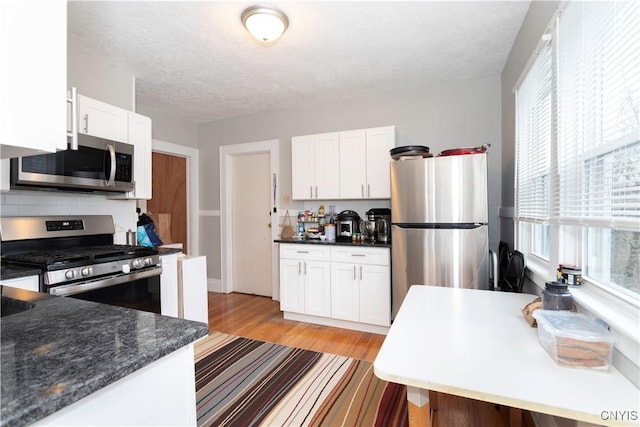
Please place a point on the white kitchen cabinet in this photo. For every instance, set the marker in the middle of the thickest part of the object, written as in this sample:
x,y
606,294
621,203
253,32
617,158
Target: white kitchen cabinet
x,y
361,285
364,163
353,170
380,141
314,166
5,180
305,280
192,288
139,135
103,120
169,285
30,283
33,77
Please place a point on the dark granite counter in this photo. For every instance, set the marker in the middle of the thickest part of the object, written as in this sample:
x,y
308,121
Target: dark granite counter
x,y
168,251
336,243
13,272
63,349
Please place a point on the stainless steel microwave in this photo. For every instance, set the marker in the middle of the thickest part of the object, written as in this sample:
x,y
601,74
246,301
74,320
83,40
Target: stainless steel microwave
x,y
97,165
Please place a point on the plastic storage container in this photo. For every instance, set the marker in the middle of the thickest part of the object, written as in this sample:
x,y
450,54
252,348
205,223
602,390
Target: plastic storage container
x,y
572,339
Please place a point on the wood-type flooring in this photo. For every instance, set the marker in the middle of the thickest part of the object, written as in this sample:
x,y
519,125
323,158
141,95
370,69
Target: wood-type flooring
x,y
260,318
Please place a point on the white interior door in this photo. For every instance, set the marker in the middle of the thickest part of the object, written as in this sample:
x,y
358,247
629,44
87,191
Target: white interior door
x,y
251,231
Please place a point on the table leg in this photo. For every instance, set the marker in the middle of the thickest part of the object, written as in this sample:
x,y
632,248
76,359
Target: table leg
x,y
419,408
515,417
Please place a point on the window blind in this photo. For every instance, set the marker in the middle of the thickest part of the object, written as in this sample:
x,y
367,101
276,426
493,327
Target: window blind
x,y
598,147
534,120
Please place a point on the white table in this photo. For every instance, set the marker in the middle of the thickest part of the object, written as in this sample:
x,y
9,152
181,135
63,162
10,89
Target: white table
x,y
477,344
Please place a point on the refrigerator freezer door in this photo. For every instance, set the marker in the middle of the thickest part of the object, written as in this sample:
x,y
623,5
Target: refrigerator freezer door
x,y
436,190
450,257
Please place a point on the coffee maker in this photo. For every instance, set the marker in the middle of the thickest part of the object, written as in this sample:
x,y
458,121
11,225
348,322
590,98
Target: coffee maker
x,y
382,218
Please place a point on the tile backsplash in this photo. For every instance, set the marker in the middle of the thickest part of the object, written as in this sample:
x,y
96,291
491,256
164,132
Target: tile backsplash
x,y
39,203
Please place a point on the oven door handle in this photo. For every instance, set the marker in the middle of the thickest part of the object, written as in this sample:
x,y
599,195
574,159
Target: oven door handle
x,y
76,288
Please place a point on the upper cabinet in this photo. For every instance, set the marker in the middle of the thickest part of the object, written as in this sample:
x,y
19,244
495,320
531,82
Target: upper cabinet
x,y
314,165
33,78
139,135
379,142
100,119
355,165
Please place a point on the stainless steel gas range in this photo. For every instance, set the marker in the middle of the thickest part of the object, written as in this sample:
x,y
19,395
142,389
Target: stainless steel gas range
x,y
77,258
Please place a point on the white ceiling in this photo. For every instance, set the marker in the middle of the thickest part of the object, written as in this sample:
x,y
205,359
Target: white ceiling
x,y
196,60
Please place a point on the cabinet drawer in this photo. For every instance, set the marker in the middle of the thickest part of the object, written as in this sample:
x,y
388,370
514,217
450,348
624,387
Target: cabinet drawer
x,y
360,255
304,252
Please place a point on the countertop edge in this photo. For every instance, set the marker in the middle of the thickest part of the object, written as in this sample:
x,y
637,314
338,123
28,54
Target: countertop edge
x,y
333,243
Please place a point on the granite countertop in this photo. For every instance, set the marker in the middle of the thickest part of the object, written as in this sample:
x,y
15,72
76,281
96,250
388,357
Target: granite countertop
x,y
168,251
14,272
64,349
335,243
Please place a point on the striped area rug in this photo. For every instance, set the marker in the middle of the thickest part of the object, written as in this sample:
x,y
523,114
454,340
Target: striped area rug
x,y
244,382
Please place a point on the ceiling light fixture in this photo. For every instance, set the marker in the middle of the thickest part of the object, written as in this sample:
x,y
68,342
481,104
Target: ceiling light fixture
x,y
264,23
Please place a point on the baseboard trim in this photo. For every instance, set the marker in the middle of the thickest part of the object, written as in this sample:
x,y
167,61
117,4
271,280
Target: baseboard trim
x,y
214,285
336,323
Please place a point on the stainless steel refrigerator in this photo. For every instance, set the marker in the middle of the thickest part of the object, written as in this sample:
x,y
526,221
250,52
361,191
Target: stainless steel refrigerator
x,y
439,217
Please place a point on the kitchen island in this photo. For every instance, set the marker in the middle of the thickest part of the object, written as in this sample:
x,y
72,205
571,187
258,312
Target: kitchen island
x,y
68,361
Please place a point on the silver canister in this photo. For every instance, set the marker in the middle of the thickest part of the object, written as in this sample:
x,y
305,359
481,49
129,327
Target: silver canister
x,y
132,238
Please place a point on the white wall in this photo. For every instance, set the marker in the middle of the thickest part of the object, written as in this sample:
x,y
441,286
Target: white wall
x,y
457,114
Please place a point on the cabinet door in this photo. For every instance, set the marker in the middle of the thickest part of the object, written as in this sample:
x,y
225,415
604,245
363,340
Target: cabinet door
x,y
291,286
140,138
317,288
33,107
303,167
379,142
103,120
375,294
169,285
327,179
30,283
345,304
353,173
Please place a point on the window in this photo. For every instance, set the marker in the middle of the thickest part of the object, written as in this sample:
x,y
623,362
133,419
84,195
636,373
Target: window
x,y
578,146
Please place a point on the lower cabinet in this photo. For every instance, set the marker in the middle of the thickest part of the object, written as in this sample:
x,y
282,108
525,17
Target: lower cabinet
x,y
305,287
340,283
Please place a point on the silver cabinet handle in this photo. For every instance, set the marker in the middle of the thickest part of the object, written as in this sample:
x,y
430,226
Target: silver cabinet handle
x,y
299,267
112,173
316,191
311,191
358,255
368,190
302,252
360,272
305,268
354,272
73,133
362,190
86,123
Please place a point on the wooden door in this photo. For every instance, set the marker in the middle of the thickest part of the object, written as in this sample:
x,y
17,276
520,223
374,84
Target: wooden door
x,y
169,195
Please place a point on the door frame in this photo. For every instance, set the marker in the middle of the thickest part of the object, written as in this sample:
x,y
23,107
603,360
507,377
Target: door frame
x,y
227,152
193,189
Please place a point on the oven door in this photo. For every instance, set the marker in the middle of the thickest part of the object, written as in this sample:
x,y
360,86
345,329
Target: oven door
x,y
139,290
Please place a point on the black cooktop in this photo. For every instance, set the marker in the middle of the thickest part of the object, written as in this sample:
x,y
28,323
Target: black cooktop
x,y
60,259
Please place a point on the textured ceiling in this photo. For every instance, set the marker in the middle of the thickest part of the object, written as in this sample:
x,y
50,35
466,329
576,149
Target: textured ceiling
x,y
195,60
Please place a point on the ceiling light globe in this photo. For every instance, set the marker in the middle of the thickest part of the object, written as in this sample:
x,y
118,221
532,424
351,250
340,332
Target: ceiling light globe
x,y
266,25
